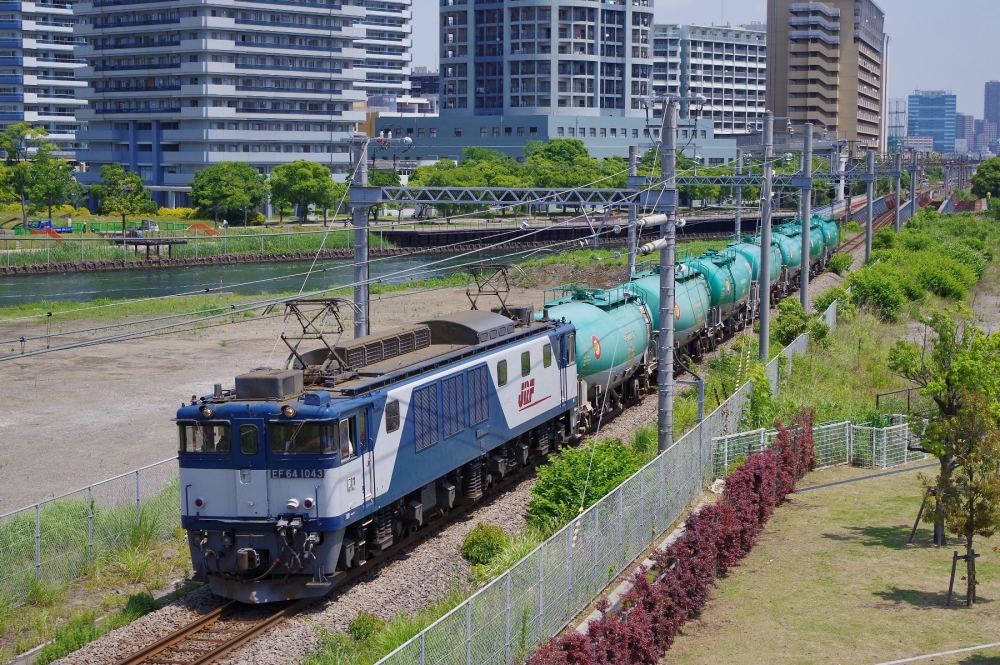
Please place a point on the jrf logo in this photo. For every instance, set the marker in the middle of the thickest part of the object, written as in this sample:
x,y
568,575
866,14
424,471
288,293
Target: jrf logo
x,y
527,392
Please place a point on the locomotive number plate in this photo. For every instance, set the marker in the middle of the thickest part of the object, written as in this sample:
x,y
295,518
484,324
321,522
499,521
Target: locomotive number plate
x,y
297,473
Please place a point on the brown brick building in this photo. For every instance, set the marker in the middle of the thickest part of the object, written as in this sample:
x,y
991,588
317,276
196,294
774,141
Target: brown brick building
x,y
828,64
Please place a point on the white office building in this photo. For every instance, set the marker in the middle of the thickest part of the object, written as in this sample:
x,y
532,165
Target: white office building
x,y
531,57
726,65
177,85
39,72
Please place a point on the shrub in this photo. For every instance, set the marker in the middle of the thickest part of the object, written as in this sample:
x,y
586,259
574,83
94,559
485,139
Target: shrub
x,y
364,625
878,288
715,538
80,630
179,213
852,227
484,543
884,238
80,212
579,477
823,301
916,242
791,321
819,333
840,263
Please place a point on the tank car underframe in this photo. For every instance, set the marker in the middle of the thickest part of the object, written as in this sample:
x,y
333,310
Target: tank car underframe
x,y
270,561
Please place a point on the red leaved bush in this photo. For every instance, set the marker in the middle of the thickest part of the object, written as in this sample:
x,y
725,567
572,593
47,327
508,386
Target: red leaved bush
x,y
715,538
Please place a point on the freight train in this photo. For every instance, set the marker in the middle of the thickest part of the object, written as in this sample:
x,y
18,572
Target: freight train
x,y
297,477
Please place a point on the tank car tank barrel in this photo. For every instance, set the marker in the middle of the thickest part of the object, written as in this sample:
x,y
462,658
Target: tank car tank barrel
x,y
765,238
806,194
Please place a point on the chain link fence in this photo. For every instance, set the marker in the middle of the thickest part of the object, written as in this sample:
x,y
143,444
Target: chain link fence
x,y
543,592
55,540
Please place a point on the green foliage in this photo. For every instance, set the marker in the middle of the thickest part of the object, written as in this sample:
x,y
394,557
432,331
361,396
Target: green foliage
x,y
840,263
364,625
986,181
122,192
52,182
762,409
845,309
484,543
884,238
229,187
792,321
301,183
853,227
576,478
878,288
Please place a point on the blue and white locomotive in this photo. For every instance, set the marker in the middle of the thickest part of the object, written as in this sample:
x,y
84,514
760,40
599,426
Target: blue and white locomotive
x,y
299,475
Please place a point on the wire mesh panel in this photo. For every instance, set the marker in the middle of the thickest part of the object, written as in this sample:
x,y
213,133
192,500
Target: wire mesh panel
x,y
55,540
735,448
865,446
832,444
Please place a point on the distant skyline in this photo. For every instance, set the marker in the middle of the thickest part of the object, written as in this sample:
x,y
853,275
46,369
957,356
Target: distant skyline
x,y
933,45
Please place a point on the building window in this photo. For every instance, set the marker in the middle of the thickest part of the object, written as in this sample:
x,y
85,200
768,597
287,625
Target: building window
x,y
533,131
520,131
572,131
593,132
614,133
483,131
433,132
635,133
496,131
458,132
604,132
508,130
560,131
420,132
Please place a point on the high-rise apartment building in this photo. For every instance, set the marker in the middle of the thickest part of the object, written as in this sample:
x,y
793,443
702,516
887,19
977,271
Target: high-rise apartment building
x,y
965,127
525,57
991,102
384,34
726,65
827,65
39,72
932,113
175,86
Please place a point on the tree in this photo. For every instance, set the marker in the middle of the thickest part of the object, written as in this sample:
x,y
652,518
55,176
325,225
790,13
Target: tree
x,y
21,144
52,181
302,183
971,491
987,178
122,193
382,179
958,359
229,186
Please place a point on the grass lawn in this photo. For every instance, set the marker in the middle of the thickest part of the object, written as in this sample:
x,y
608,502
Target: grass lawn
x,y
833,581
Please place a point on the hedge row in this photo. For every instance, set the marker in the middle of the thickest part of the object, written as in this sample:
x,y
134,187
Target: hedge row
x,y
715,539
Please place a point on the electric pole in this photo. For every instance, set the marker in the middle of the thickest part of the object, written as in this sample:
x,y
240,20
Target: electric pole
x,y
633,236
871,207
806,195
764,278
359,220
899,186
668,285
739,194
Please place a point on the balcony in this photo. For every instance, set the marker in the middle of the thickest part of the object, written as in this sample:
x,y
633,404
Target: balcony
x,y
128,68
294,47
113,47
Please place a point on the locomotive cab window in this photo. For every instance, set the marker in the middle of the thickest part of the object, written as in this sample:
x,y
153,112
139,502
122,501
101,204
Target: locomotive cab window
x,y
546,355
526,363
571,349
392,415
204,439
502,373
347,448
302,438
248,440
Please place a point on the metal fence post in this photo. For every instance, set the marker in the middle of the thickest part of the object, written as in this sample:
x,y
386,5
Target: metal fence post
x,y
507,617
38,542
262,241
90,525
885,444
422,648
138,500
621,518
468,631
597,544
541,598
661,488
569,564
196,243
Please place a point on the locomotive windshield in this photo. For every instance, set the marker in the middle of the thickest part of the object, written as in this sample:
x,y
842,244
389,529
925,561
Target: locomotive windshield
x,y
303,438
206,438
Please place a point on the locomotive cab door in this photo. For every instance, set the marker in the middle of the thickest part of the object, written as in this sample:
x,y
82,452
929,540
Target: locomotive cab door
x,y
251,468
356,424
567,349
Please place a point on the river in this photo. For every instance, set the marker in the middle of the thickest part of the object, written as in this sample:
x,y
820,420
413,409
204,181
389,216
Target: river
x,y
250,278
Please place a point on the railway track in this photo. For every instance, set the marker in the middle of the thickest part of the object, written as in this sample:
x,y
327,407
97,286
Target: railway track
x,y
215,634
859,239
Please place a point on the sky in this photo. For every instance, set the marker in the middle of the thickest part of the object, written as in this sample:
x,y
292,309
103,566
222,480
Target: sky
x,y
935,44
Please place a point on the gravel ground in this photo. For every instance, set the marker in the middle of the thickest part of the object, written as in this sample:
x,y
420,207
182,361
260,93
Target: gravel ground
x,y
410,581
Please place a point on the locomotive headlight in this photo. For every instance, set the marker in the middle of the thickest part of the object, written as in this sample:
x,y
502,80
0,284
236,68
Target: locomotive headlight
x,y
207,411
199,502
292,504
307,503
288,411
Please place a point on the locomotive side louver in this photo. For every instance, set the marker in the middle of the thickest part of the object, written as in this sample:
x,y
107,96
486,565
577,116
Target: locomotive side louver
x,y
372,349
